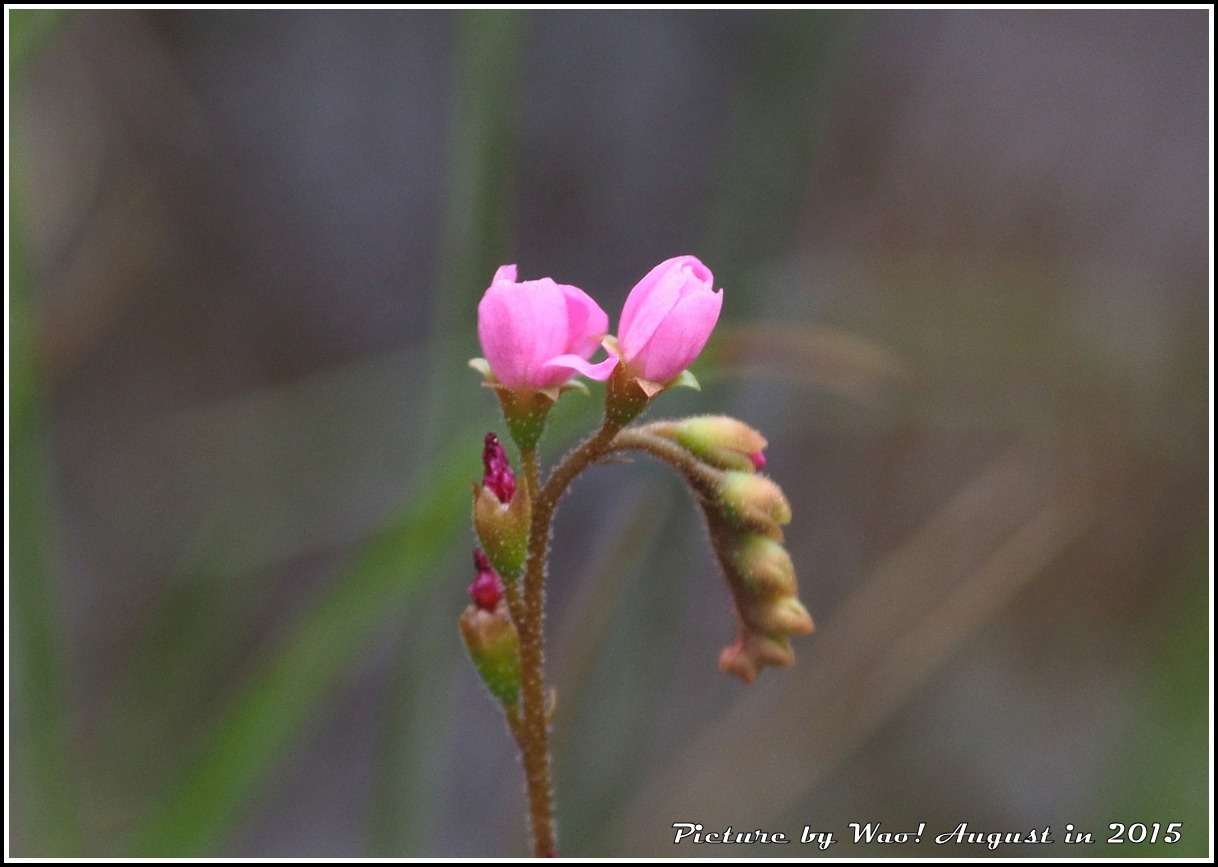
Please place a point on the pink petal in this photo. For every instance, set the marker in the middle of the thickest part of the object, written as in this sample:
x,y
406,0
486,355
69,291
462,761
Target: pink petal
x,y
498,335
648,302
587,323
538,334
599,371
655,297
521,325
679,337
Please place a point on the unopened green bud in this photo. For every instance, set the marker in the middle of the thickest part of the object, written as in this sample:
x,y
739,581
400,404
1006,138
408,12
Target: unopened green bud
x,y
766,567
494,648
720,441
754,501
753,651
785,616
503,529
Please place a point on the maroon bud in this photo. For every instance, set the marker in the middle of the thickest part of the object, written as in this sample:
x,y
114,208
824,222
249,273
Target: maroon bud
x,y
486,589
758,460
498,475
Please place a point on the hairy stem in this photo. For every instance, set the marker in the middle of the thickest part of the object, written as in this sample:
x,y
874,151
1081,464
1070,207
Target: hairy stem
x,y
533,731
532,728
700,477
594,447
531,725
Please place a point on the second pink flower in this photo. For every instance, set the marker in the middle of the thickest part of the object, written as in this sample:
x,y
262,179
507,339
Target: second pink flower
x,y
668,318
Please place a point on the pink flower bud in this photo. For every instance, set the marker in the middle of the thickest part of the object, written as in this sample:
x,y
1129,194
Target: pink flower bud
x,y
501,514
486,589
667,319
497,471
538,334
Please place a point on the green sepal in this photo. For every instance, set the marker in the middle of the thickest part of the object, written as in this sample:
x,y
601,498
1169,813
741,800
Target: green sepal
x,y
494,648
503,530
525,413
685,379
484,367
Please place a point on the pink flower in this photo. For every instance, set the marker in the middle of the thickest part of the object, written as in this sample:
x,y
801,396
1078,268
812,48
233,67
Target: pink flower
x,y
538,334
667,318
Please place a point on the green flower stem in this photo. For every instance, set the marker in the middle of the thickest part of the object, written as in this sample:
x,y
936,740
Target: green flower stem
x,y
532,726
532,729
703,479
591,449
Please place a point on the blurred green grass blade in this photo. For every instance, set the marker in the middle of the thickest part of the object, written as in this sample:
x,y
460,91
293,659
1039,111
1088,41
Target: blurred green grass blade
x,y
410,750
481,158
42,790
482,153
251,736
1160,777
778,120
45,813
28,30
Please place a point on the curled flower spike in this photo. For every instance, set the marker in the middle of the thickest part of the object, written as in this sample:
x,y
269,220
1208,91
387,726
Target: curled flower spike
x,y
537,334
760,576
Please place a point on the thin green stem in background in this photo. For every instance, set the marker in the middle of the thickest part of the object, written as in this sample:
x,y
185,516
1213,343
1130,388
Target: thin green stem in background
x,y
482,155
481,169
45,811
782,111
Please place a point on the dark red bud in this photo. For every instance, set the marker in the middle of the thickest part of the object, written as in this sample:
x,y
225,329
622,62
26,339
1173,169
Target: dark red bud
x,y
497,475
758,460
486,589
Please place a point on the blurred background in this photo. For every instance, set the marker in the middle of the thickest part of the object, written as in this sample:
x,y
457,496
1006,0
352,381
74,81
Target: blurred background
x,y
965,257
